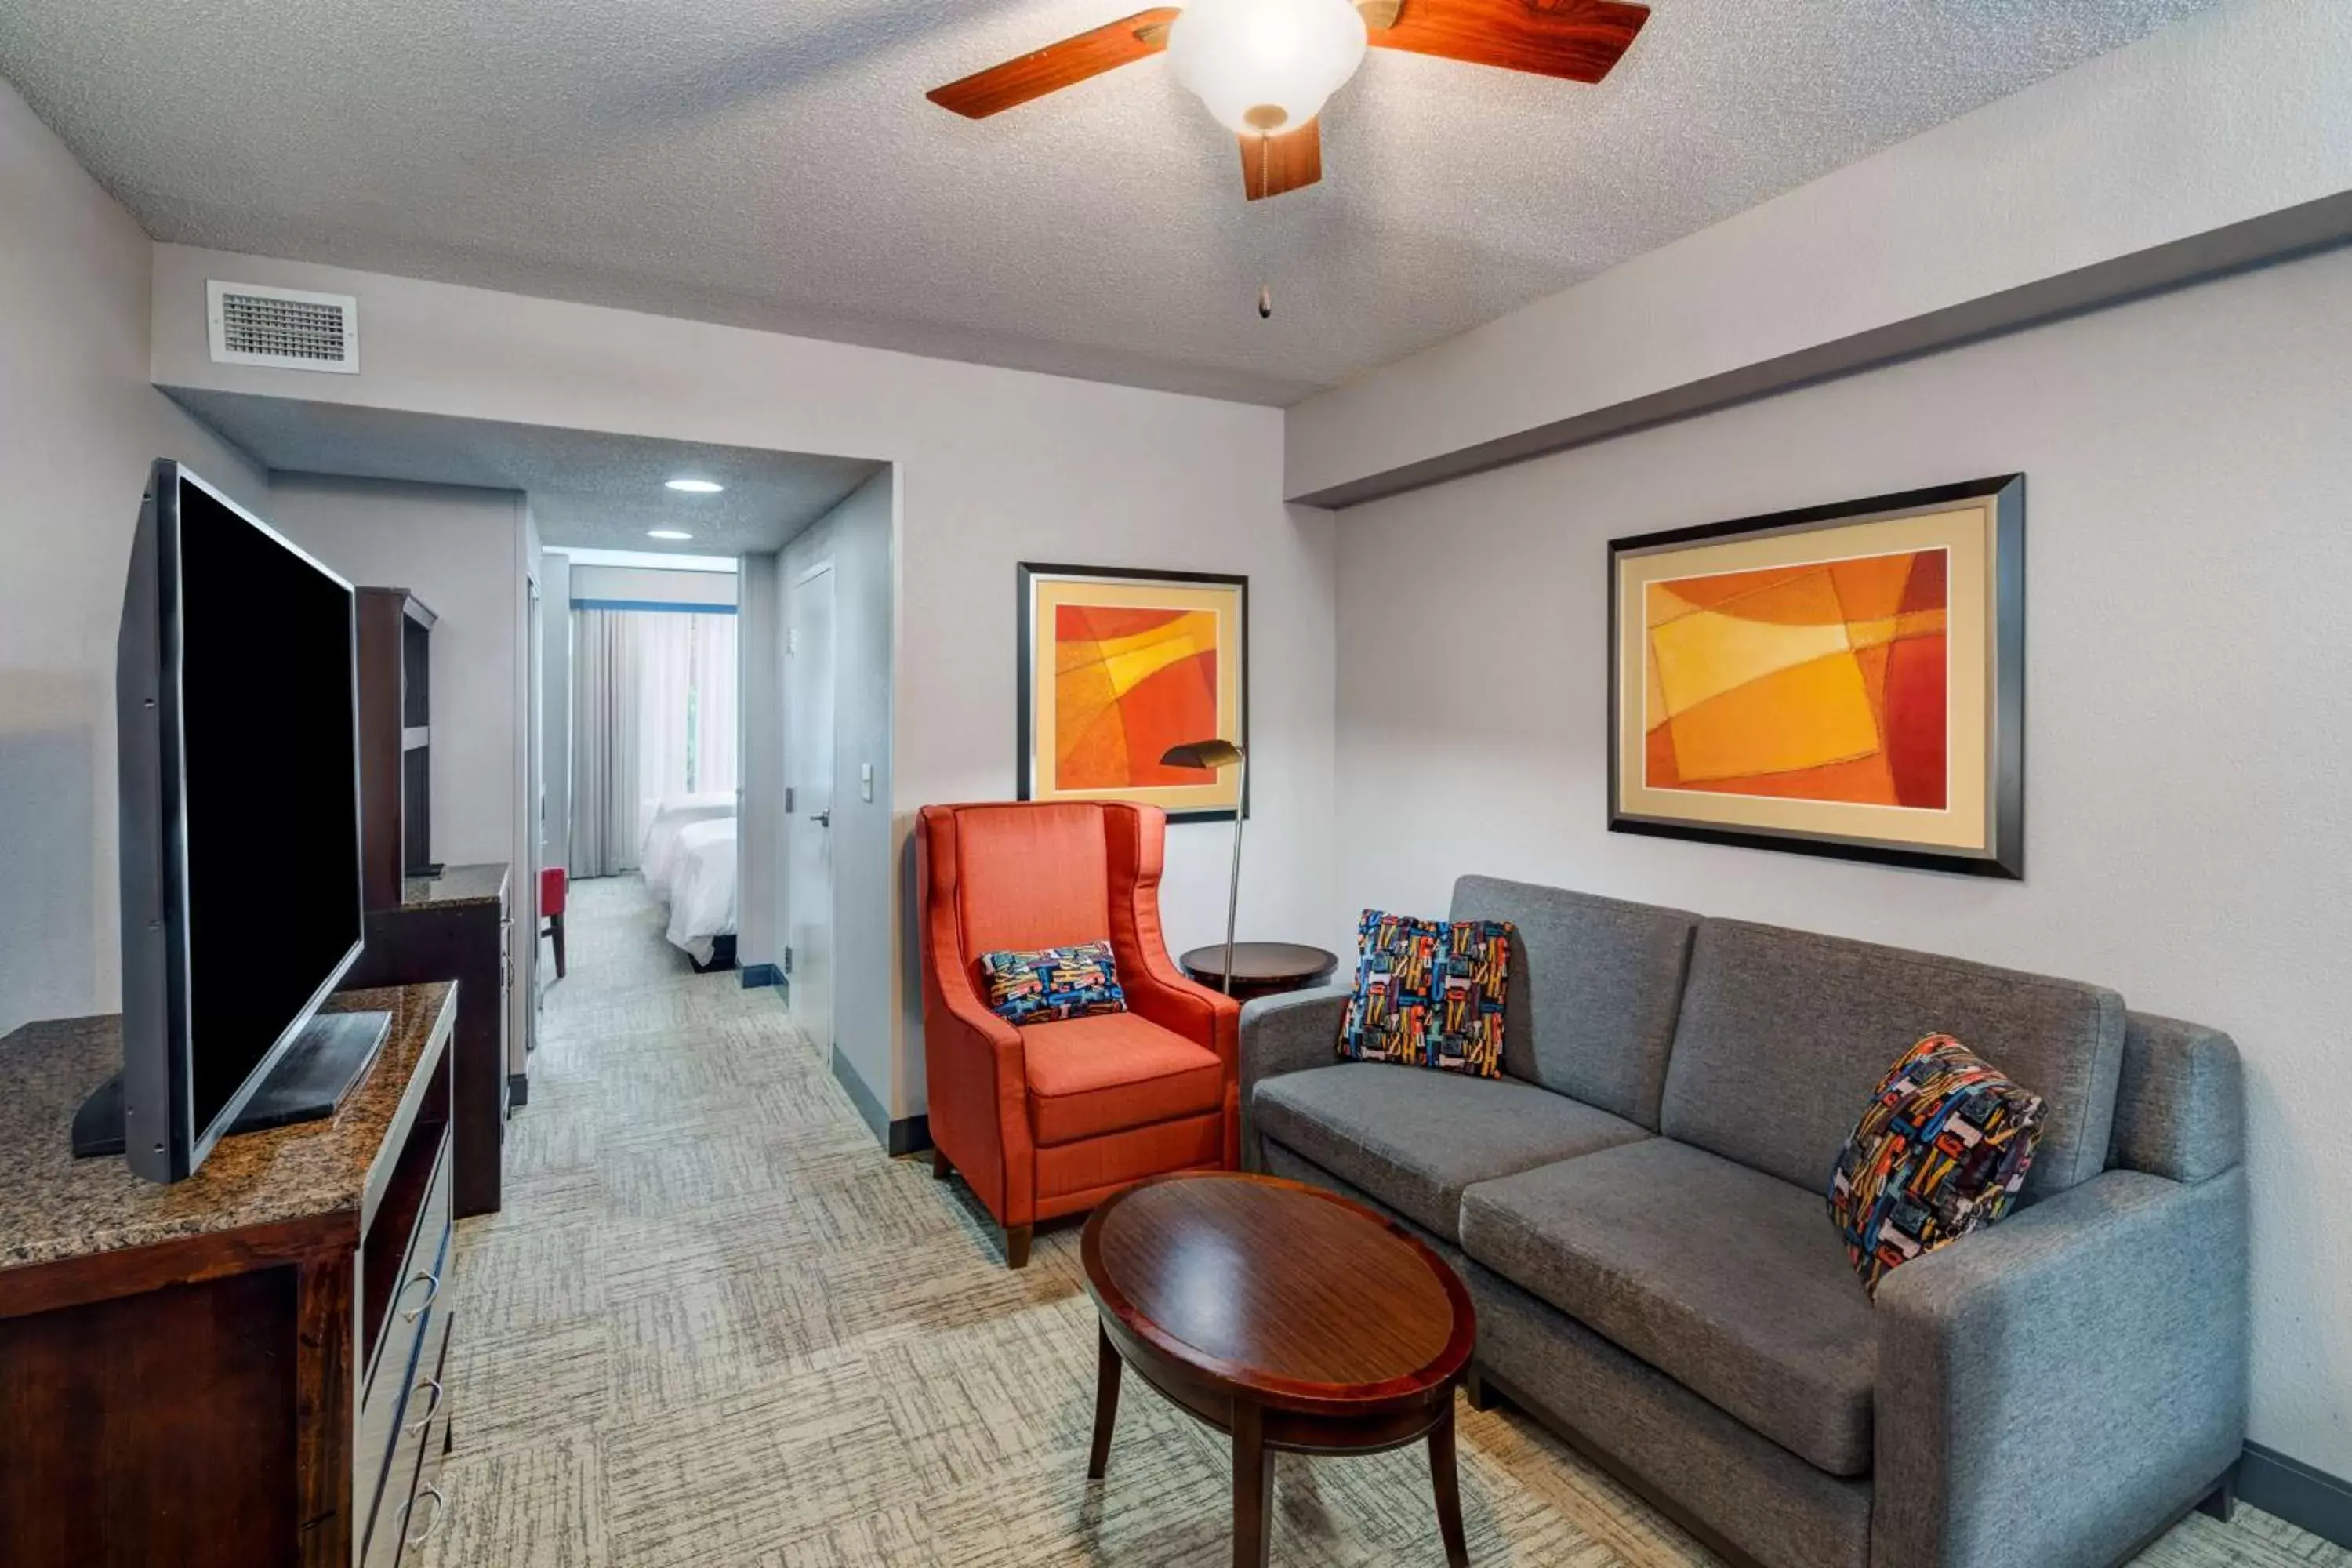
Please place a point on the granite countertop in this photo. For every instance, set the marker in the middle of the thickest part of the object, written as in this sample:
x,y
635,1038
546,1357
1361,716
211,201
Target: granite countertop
x,y
484,884
55,1206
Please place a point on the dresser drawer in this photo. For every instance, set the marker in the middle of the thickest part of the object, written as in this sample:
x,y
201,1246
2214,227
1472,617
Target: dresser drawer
x,y
415,1506
401,1388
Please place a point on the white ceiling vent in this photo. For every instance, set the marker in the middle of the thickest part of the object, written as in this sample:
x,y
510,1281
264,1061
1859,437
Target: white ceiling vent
x,y
286,327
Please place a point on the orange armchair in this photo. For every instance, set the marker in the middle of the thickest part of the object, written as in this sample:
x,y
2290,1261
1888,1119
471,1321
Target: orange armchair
x,y
1046,1120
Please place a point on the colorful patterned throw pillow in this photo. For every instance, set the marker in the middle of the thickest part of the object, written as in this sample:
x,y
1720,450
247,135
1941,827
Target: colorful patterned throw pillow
x,y
1942,1149
1429,992
1052,983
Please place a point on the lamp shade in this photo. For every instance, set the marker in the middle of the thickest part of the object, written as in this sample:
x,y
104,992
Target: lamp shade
x,y
1265,66
1210,753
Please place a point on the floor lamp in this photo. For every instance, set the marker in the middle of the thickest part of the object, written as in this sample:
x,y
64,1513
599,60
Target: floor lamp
x,y
1212,754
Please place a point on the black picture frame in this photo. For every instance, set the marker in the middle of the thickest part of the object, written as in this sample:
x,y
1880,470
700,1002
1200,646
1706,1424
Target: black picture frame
x,y
2005,855
1026,721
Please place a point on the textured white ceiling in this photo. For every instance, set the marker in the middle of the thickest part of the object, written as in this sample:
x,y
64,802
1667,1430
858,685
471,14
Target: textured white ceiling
x,y
585,486
772,162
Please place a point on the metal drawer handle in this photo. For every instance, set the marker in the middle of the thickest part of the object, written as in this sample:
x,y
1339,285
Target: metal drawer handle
x,y
432,1289
440,1512
431,1410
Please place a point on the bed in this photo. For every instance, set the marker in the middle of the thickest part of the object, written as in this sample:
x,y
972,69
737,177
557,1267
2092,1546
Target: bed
x,y
703,887
671,816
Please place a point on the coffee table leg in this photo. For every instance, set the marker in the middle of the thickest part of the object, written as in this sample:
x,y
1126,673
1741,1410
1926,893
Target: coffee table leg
x,y
1107,1369
1252,1487
1448,1483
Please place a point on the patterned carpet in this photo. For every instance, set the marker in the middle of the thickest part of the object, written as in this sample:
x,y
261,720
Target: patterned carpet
x,y
715,1328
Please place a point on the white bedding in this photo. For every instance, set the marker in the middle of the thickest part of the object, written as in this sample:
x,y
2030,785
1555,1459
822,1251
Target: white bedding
x,y
672,816
702,887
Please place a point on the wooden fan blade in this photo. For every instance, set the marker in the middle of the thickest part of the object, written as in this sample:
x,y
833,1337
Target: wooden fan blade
x,y
1057,66
1576,40
1273,164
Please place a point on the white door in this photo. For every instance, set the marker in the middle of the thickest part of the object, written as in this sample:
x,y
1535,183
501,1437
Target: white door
x,y
808,773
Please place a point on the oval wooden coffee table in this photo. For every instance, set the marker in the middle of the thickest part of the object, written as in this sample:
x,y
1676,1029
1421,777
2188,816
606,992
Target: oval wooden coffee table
x,y
1286,1316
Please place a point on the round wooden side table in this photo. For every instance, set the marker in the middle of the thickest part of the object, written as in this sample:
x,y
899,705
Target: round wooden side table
x,y
1286,1316
1261,968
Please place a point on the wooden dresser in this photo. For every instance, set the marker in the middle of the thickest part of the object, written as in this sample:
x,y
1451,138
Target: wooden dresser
x,y
456,926
244,1369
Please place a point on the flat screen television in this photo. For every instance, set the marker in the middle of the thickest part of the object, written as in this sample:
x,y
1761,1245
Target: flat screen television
x,y
236,672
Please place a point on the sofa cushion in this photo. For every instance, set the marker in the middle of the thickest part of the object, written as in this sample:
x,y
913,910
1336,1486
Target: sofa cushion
x,y
1416,1140
1783,1033
1103,1074
1594,987
1722,1277
1428,993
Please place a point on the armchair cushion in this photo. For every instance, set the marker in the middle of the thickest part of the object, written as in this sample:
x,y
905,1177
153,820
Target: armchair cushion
x,y
1113,1071
1722,1277
1050,983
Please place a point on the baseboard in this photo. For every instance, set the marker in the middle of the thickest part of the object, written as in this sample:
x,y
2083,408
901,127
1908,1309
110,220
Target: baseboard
x,y
903,1136
517,1091
909,1135
756,974
2307,1498
869,1110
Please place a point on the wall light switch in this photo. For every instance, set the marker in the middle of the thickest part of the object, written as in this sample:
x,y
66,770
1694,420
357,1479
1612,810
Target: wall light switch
x,y
865,781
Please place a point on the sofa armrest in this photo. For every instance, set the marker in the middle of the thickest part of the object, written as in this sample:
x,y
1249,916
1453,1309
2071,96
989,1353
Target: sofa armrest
x,y
1289,1032
2052,1388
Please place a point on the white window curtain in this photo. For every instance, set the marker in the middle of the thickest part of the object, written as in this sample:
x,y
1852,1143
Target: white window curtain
x,y
664,710
712,657
654,695
685,709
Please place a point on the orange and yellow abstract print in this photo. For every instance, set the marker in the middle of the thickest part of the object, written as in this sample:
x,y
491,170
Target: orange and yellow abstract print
x,y
1816,681
1117,668
1128,683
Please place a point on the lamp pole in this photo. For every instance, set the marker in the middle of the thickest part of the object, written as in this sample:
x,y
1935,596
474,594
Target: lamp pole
x,y
1234,892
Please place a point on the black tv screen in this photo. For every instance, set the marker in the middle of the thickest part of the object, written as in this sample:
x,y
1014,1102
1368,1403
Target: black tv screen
x,y
236,681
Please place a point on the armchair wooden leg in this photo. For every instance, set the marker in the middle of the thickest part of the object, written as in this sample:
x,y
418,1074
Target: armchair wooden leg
x,y
2222,1503
1016,1246
557,922
940,1169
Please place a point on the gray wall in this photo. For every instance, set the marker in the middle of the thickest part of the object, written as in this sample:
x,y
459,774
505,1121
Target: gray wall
x,y
465,554
871,1013
79,425
2189,715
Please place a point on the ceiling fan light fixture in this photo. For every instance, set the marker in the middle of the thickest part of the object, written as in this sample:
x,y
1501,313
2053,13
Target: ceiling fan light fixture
x,y
1265,67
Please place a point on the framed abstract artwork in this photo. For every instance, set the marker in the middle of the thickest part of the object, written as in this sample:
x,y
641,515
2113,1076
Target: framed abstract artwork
x,y
1844,681
1116,666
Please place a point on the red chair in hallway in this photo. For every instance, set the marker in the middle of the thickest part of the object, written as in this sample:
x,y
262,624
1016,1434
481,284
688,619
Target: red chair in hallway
x,y
552,883
1046,1120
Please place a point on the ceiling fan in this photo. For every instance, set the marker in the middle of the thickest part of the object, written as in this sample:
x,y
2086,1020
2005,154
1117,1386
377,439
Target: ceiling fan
x,y
1263,67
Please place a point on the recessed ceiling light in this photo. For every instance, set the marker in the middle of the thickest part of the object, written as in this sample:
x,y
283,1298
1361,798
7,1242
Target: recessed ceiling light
x,y
697,487
667,533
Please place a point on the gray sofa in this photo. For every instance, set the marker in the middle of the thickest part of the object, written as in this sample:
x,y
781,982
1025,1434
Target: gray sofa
x,y
1638,1208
